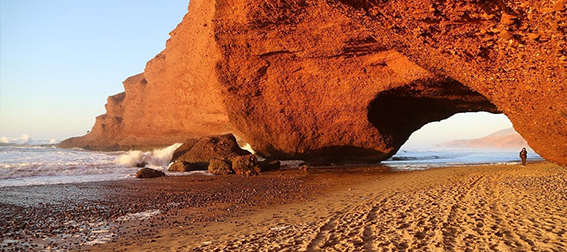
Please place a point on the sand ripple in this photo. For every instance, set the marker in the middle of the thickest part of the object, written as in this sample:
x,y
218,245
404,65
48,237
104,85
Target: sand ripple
x,y
473,209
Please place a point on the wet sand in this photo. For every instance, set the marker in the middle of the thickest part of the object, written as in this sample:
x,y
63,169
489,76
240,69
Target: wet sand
x,y
476,208
78,216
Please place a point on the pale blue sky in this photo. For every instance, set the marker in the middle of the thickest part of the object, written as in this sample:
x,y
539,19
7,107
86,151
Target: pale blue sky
x,y
61,59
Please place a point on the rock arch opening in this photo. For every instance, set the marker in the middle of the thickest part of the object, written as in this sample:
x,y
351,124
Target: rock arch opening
x,y
399,112
466,130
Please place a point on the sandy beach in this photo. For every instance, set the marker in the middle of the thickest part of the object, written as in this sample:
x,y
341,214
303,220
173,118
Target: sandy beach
x,y
479,208
473,208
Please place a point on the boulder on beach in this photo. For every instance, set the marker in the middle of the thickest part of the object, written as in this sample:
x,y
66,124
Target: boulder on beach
x,y
269,165
185,147
220,166
181,166
246,165
149,173
201,151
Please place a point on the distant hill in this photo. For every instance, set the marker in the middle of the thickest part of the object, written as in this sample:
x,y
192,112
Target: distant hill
x,y
502,139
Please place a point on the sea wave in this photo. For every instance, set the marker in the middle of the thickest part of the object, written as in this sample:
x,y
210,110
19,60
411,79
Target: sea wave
x,y
23,165
25,140
158,158
426,159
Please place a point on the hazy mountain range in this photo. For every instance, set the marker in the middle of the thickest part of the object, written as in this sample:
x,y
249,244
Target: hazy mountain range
x,y
502,139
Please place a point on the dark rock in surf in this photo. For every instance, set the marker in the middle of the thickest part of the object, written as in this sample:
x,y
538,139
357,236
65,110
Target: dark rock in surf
x,y
180,166
149,173
200,152
269,165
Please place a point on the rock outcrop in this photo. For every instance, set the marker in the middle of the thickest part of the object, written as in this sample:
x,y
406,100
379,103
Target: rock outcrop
x,y
269,165
176,97
220,166
246,165
342,79
181,166
201,151
149,173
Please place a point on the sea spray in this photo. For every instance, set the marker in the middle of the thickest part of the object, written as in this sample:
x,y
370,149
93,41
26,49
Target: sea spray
x,y
139,216
157,159
25,165
22,165
26,140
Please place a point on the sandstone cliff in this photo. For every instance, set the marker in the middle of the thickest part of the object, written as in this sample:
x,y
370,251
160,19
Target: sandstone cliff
x,y
177,97
343,79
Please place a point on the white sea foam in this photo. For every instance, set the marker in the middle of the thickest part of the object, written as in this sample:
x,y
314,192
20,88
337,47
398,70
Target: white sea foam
x,y
22,165
426,159
158,158
139,216
25,139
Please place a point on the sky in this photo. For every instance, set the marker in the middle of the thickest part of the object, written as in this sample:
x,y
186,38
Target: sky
x,y
61,59
470,125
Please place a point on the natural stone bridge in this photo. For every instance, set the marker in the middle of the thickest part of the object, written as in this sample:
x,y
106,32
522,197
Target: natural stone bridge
x,y
345,79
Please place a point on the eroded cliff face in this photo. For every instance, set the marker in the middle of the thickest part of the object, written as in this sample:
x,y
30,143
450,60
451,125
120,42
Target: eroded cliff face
x,y
346,79
177,97
303,80
514,53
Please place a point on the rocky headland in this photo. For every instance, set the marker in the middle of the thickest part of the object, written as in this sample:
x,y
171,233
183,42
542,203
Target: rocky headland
x,y
345,80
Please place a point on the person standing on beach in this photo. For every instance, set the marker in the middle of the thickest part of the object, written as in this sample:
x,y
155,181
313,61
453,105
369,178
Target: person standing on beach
x,y
524,156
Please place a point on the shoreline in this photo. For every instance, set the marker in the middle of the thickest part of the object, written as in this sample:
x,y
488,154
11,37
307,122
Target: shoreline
x,y
69,216
304,210
387,210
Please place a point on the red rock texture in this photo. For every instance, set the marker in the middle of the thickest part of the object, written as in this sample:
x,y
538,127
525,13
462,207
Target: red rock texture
x,y
246,165
219,166
315,83
206,148
342,79
513,53
182,166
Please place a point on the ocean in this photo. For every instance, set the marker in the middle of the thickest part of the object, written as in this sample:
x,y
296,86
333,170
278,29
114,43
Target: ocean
x,y
41,164
25,165
419,159
47,212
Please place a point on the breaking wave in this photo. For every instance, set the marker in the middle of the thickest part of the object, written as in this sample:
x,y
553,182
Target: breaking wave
x,y
22,165
157,159
425,159
25,139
